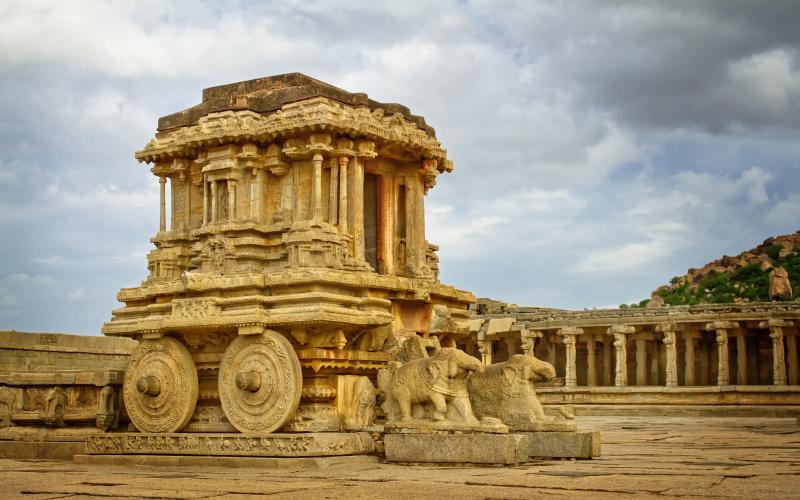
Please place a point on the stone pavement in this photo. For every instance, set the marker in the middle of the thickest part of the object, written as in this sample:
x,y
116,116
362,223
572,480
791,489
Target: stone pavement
x,y
649,456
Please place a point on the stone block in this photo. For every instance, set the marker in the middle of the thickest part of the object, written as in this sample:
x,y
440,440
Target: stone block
x,y
564,444
17,449
474,448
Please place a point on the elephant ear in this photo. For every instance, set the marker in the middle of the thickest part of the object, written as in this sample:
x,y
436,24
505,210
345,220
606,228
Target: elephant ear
x,y
509,373
435,369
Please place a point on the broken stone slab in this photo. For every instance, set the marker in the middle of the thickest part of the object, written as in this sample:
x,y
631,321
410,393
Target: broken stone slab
x,y
472,448
554,444
317,444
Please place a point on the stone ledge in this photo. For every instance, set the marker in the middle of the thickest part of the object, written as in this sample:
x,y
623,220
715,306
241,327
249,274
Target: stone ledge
x,y
676,410
52,450
477,448
317,444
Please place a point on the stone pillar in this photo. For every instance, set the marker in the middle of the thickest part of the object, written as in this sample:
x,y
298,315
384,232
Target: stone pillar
x,y
172,200
205,202
591,368
741,358
721,328
213,202
641,362
551,351
607,372
162,216
316,189
528,340
412,225
671,370
257,195
620,333
689,369
485,348
231,200
776,334
791,345
343,160
358,208
333,192
569,335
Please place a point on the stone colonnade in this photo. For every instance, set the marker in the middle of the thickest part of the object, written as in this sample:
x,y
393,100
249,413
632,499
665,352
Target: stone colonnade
x,y
668,353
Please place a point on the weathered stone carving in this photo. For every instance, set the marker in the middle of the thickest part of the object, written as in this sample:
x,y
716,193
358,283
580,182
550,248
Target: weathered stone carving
x,y
160,388
313,417
417,347
107,409
431,388
8,399
260,382
357,402
53,415
506,391
272,445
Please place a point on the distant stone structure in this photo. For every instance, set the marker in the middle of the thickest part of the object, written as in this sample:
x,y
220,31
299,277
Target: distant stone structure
x,y
708,359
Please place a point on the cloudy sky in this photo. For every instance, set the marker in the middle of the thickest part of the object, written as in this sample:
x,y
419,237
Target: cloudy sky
x,y
600,148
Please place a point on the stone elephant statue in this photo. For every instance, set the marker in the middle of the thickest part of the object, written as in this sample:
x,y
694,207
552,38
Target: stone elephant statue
x,y
505,391
432,387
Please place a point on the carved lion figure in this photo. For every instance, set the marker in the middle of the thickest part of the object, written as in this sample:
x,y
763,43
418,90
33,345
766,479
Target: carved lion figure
x,y
433,387
505,391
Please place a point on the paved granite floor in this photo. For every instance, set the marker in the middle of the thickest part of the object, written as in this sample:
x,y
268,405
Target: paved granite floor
x,y
648,456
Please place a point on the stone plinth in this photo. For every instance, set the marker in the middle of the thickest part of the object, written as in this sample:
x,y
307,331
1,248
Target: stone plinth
x,y
474,448
318,444
564,444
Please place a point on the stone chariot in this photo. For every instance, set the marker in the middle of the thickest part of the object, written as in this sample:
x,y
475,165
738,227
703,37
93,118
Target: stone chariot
x,y
291,260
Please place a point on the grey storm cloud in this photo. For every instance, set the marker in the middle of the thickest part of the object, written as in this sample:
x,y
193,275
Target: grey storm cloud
x,y
600,147
720,66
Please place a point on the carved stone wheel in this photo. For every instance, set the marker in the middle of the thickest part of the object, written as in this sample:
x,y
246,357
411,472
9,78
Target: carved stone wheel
x,y
260,382
160,387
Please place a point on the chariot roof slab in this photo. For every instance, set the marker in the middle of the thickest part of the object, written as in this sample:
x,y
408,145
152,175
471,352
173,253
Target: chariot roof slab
x,y
270,108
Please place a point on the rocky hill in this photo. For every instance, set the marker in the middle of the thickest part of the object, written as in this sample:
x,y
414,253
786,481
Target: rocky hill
x,y
771,271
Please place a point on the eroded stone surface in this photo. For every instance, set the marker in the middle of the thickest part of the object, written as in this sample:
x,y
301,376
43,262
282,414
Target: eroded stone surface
x,y
654,456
